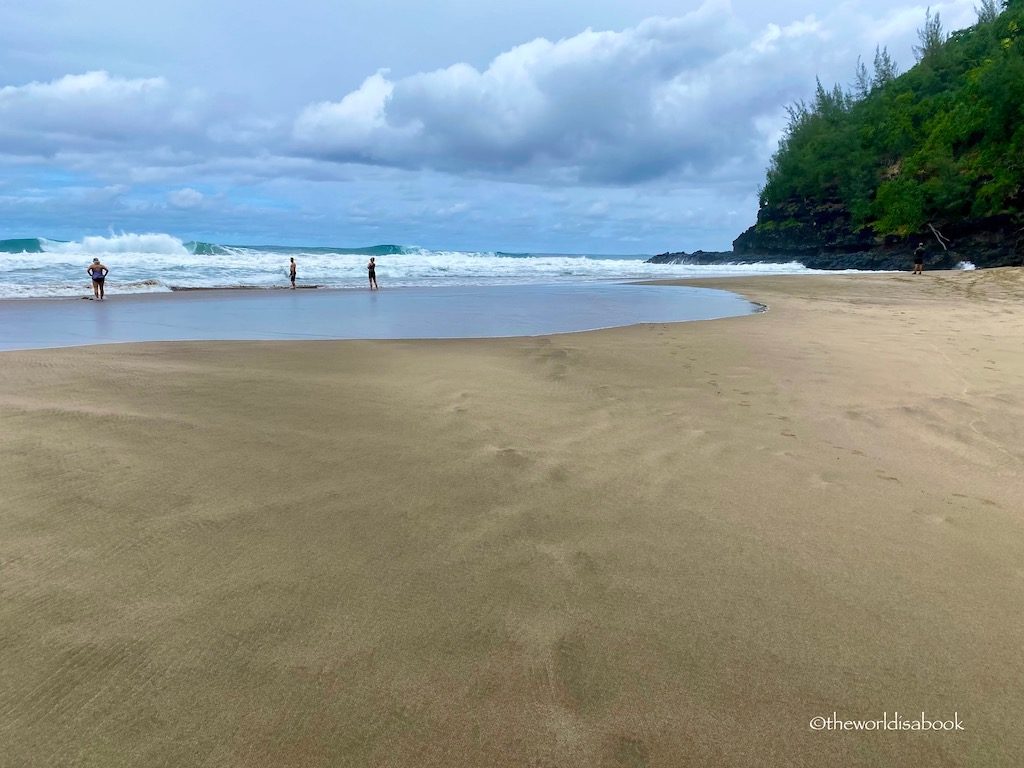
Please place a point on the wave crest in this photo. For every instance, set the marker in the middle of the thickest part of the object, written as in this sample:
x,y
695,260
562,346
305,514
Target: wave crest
x,y
21,245
126,242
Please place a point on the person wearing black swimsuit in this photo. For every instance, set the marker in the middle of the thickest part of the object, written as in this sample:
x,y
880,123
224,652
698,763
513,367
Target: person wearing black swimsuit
x,y
371,271
291,271
98,273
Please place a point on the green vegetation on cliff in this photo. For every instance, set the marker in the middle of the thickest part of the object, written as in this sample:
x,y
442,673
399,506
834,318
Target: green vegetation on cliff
x,y
940,145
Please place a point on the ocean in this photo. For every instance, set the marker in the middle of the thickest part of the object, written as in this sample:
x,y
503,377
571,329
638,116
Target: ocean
x,y
158,263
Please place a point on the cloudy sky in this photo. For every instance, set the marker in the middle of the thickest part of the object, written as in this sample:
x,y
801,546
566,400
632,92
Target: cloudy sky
x,y
579,126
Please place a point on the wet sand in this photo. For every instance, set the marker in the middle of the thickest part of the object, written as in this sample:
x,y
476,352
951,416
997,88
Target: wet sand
x,y
663,545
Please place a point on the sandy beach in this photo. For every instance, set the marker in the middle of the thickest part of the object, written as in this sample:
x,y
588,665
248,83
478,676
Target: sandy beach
x,y
662,545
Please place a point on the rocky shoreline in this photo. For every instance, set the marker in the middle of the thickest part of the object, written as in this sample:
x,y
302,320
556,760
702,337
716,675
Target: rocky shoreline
x,y
878,260
821,238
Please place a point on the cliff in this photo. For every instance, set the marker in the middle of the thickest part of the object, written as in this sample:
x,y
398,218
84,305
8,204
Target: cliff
x,y
824,237
934,156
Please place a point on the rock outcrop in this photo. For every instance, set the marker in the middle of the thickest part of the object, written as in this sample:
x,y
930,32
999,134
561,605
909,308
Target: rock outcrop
x,y
821,237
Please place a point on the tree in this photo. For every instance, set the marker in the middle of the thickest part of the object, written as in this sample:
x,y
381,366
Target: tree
x,y
885,69
987,12
861,81
941,143
931,36
829,104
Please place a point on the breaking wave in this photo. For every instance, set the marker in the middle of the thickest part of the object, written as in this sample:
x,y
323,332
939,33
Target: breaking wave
x,y
148,262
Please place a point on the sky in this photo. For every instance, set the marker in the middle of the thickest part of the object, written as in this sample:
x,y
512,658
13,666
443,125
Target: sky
x,y
582,126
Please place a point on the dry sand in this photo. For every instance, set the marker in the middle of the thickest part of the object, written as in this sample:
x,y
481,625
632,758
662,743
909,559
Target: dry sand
x,y
661,545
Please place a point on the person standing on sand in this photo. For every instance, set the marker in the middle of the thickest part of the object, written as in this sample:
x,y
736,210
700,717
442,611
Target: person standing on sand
x,y
291,271
918,260
98,272
371,272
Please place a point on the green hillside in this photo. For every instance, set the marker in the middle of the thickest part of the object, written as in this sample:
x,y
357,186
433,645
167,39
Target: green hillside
x,y
894,160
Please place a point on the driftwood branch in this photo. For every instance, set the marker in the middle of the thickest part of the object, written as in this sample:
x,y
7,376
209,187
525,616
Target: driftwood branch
x,y
938,236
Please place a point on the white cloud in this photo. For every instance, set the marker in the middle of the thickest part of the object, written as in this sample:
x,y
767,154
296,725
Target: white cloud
x,y
117,127
692,97
455,209
589,107
773,34
349,122
669,96
90,86
186,198
94,112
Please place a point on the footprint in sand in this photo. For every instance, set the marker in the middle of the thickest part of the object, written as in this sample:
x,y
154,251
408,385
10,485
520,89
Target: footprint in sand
x,y
986,502
511,457
460,404
823,480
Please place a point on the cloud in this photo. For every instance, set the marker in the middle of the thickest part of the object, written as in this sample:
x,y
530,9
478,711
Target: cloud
x,y
665,97
95,112
186,198
455,209
696,97
138,130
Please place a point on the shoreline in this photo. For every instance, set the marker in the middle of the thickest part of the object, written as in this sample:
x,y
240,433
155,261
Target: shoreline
x,y
402,284
651,544
214,291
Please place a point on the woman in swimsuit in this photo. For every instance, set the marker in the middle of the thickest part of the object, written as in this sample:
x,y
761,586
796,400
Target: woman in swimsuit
x,y
371,271
98,273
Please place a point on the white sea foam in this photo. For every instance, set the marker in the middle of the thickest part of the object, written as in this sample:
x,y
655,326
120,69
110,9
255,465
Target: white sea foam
x,y
151,262
56,289
125,243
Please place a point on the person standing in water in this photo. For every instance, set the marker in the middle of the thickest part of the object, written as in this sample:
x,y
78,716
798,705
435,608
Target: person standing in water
x,y
291,271
371,272
98,272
